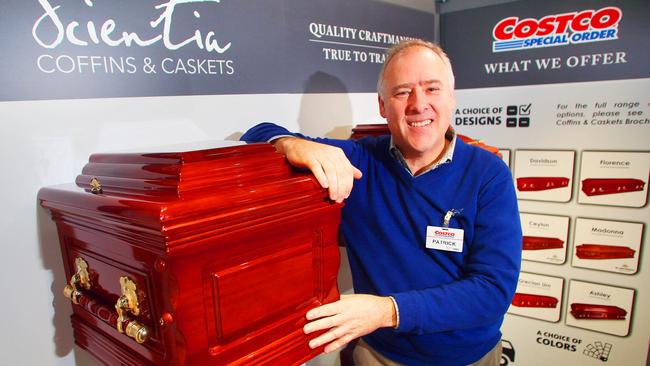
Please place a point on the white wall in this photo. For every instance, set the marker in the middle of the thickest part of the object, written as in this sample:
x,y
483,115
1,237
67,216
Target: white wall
x,y
48,142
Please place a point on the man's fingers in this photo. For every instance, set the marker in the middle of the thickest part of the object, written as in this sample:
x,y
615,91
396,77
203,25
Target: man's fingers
x,y
322,323
331,171
317,169
323,310
346,179
328,337
330,166
340,342
357,173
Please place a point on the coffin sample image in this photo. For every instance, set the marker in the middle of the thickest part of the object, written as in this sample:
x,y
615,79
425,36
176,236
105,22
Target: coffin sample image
x,y
601,186
534,301
595,311
525,184
601,251
540,242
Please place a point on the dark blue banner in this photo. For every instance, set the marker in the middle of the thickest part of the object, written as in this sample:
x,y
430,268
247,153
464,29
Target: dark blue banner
x,y
543,42
62,49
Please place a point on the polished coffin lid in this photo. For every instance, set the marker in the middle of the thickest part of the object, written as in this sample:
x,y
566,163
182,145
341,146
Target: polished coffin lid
x,y
226,180
184,212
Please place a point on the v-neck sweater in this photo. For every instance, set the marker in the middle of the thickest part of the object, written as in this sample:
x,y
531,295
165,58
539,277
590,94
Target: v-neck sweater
x,y
451,304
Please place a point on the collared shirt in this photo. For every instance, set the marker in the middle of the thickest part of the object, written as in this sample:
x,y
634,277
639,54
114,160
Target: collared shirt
x,y
450,136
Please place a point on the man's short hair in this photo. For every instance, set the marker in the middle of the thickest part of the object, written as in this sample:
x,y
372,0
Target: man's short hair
x,y
401,47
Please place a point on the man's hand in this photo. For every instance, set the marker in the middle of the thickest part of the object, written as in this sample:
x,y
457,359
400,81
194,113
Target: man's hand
x,y
329,164
351,317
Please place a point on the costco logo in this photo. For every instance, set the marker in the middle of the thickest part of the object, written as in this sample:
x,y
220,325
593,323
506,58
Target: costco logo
x,y
512,33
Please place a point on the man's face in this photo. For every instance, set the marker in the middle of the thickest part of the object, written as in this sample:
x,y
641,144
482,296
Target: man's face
x,y
417,100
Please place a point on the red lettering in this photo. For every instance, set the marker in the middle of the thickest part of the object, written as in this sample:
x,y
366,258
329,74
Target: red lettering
x,y
512,27
526,28
578,23
546,25
606,17
503,30
563,22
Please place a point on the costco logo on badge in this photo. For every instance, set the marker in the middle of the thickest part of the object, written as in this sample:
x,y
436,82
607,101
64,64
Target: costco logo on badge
x,y
512,33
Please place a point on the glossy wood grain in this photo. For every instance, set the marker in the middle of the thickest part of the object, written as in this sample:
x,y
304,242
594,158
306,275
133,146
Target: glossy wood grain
x,y
229,248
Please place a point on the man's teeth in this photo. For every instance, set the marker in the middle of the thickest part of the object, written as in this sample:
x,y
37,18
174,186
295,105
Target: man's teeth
x,y
421,123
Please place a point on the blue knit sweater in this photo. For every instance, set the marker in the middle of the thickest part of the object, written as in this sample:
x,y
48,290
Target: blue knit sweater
x,y
451,304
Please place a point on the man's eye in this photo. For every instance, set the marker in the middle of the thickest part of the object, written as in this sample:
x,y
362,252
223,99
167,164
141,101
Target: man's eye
x,y
433,89
402,92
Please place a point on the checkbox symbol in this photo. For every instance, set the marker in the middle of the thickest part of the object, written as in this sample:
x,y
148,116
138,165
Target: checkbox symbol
x,y
524,122
511,110
524,110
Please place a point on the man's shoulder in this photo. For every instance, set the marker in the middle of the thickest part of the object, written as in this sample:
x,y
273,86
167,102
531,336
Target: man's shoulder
x,y
374,144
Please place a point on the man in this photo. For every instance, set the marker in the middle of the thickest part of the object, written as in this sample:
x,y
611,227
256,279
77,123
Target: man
x,y
420,299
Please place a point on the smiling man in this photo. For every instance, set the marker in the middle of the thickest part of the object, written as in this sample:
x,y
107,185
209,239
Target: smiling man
x,y
431,225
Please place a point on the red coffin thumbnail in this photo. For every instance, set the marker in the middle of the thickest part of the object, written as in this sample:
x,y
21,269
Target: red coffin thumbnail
x,y
525,184
540,242
601,251
204,256
534,301
595,311
601,186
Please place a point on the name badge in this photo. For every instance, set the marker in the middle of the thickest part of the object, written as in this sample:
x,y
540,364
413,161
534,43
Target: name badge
x,y
443,238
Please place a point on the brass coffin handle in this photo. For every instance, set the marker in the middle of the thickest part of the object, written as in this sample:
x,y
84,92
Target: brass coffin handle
x,y
128,304
80,280
95,186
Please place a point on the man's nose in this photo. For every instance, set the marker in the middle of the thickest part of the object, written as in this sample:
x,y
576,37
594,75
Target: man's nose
x,y
417,101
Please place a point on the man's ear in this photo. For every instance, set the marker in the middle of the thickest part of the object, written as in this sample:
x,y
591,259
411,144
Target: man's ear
x,y
382,108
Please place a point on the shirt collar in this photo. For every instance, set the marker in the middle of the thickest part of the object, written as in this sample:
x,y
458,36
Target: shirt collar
x,y
448,155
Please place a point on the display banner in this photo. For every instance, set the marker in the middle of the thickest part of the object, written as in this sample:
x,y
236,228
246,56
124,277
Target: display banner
x,y
541,42
64,49
576,135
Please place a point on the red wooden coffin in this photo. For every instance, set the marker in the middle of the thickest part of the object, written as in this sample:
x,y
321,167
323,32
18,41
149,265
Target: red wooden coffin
x,y
203,256
595,311
364,130
600,186
601,251
540,242
525,184
534,301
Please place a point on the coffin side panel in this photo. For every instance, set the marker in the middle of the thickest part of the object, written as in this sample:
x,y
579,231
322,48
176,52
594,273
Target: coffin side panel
x,y
238,289
257,283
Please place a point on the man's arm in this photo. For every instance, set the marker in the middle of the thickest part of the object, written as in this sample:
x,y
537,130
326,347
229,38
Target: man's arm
x,y
353,315
478,299
349,318
325,159
328,163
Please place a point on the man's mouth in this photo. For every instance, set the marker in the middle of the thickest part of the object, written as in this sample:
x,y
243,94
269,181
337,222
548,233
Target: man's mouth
x,y
424,123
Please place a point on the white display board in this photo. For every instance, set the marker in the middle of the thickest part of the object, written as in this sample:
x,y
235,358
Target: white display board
x,y
563,85
617,220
